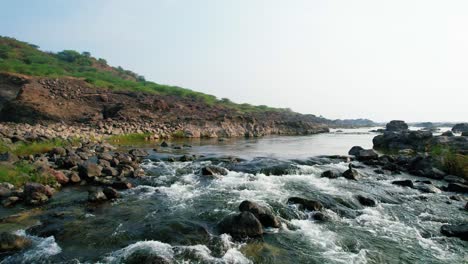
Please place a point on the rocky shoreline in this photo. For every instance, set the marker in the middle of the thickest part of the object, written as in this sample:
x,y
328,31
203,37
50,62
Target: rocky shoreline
x,y
107,171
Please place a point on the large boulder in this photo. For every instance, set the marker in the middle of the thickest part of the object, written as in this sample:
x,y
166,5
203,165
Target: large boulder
x,y
460,231
306,204
89,170
213,171
396,125
10,243
457,187
355,150
241,225
459,128
36,193
367,154
263,214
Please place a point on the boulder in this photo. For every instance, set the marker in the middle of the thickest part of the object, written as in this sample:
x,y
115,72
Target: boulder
x,y
367,154
74,177
111,193
4,192
457,187
121,185
164,144
89,170
109,171
448,134
331,174
105,156
213,171
263,214
11,242
351,174
405,183
459,128
36,193
355,150
426,188
396,125
241,225
59,176
460,231
366,201
306,204
138,153
96,195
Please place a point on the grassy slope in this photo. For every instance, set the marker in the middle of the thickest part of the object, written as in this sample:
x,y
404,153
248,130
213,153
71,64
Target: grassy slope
x,y
24,58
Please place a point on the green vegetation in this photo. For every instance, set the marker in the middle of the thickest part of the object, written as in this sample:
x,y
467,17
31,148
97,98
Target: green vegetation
x,y
24,58
21,173
451,162
129,139
178,134
38,147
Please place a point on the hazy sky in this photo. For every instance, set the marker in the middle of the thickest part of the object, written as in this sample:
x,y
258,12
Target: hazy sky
x,y
399,59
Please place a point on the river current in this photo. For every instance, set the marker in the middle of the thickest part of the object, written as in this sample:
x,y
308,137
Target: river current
x,y
173,213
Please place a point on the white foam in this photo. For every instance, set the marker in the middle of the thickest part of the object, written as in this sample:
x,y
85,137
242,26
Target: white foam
x,y
154,247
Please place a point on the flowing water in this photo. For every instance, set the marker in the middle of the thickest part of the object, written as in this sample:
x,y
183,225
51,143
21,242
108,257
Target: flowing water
x,y
172,215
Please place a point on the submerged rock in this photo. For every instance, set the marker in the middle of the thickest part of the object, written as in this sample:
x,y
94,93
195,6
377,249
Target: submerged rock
x,y
241,225
111,193
405,183
460,231
306,204
366,201
263,214
331,174
11,242
96,195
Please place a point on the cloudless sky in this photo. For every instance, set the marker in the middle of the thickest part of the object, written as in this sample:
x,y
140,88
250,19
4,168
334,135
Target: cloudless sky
x,y
399,59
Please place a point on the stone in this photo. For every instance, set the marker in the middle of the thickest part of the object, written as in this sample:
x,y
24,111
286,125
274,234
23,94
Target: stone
x,y
121,185
138,152
351,174
4,192
263,214
74,177
355,150
105,156
213,170
457,187
427,188
59,176
164,144
109,171
11,242
331,174
96,195
306,204
396,125
89,170
111,193
59,151
448,134
36,193
459,128
10,201
405,183
366,201
241,225
460,231
367,154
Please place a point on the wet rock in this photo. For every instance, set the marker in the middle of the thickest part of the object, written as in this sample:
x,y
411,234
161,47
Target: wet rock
x,y
59,176
111,193
464,134
351,174
138,152
366,201
460,231
306,204
457,187
241,225
122,185
366,154
164,144
8,157
263,214
448,134
36,193
146,257
74,177
4,192
320,216
396,125
454,179
355,150
331,174
89,170
427,188
10,201
109,171
7,185
96,195
405,183
459,128
11,242
456,198
213,171
186,158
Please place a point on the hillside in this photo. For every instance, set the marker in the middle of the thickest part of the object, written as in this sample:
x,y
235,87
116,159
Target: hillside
x,y
76,88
